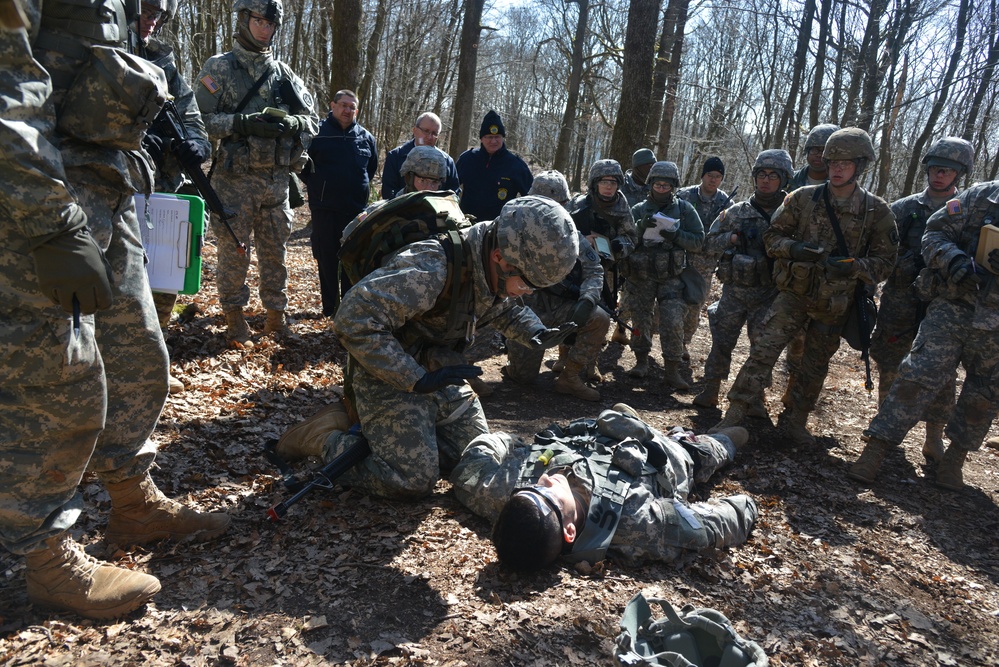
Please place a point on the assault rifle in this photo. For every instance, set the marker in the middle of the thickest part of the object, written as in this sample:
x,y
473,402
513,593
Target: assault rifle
x,y
618,319
169,118
325,477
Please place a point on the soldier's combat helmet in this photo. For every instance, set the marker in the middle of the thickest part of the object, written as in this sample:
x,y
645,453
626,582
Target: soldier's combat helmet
x,y
777,159
551,184
604,168
952,153
818,135
850,143
537,237
426,162
665,171
272,10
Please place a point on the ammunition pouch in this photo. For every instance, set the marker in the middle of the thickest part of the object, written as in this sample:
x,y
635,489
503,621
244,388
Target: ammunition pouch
x,y
744,270
801,278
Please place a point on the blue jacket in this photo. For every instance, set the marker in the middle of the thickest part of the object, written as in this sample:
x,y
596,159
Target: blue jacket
x,y
489,181
392,182
343,164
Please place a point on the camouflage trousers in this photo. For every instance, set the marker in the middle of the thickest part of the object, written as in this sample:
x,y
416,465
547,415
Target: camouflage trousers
x,y
705,265
947,337
263,217
643,297
782,321
899,314
525,362
70,404
738,307
413,437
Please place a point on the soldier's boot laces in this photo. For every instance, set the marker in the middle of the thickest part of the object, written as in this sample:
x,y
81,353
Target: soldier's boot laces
x,y
708,398
950,473
641,367
62,576
276,323
237,333
672,377
758,410
795,426
734,416
140,514
559,365
570,382
933,446
865,469
620,336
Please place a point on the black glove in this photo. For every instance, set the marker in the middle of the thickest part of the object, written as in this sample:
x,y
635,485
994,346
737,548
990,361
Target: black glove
x,y
437,380
840,267
802,251
669,236
155,145
581,313
71,264
962,272
290,126
546,338
616,246
994,260
255,124
191,151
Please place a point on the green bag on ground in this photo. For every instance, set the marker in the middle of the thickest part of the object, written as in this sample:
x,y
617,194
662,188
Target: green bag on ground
x,y
692,638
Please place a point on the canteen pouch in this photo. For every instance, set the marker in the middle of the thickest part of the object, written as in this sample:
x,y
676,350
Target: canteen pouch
x,y
797,277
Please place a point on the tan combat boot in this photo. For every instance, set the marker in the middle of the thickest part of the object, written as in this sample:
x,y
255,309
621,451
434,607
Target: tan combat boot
x,y
176,386
593,373
140,513
794,423
62,576
865,469
237,333
708,398
570,382
933,447
559,365
758,410
307,438
620,336
641,367
734,416
276,323
950,473
672,377
737,434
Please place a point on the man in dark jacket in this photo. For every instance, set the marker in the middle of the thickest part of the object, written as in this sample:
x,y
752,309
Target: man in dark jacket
x,y
491,175
426,131
344,160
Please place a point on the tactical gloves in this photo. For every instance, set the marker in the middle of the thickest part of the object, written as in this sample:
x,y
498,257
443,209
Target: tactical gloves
x,y
155,145
616,246
290,126
581,313
437,380
256,125
669,236
840,267
802,251
191,151
546,338
71,264
962,272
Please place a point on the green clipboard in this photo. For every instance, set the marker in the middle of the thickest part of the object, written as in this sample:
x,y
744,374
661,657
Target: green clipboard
x,y
173,232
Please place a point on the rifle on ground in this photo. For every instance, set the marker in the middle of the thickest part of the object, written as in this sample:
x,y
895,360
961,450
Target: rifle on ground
x,y
618,319
325,477
174,124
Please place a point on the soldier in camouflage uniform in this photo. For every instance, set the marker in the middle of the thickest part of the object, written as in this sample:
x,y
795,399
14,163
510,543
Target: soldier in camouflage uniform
x,y
574,300
961,327
424,168
900,309
615,466
636,180
668,228
83,370
814,172
406,368
257,152
708,200
817,280
744,269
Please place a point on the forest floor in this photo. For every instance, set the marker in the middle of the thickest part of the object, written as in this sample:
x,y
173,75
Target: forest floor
x,y
833,574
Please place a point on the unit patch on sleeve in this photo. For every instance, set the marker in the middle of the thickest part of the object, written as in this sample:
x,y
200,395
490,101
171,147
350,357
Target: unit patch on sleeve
x,y
208,82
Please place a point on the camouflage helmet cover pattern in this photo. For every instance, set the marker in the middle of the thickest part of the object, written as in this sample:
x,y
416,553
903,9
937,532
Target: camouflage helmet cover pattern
x,y
551,184
425,162
272,10
665,170
952,153
818,135
602,168
537,237
850,143
777,159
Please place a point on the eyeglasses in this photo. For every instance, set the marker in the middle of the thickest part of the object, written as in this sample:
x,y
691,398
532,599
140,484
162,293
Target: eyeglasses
x,y
840,165
607,181
814,150
661,185
261,22
430,133
545,501
430,179
768,175
152,14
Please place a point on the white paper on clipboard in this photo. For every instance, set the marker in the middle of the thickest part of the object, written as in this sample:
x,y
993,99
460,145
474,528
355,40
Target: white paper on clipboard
x,y
166,237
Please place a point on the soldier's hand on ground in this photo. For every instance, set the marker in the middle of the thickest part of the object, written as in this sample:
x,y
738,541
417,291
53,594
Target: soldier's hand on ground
x,y
962,272
841,267
255,124
191,151
546,338
994,260
73,264
154,145
437,380
803,251
290,126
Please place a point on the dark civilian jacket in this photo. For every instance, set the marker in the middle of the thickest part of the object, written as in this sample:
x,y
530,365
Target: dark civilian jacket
x,y
392,181
343,164
489,181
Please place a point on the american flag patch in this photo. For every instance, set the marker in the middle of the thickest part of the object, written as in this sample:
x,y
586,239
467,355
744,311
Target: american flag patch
x,y
954,207
209,83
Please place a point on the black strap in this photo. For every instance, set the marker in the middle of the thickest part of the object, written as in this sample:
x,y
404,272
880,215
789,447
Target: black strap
x,y
840,239
761,210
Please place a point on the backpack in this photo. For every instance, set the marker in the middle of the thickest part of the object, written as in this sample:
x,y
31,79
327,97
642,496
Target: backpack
x,y
693,638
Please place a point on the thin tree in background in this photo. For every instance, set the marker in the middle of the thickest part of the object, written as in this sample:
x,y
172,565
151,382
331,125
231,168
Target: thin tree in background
x,y
636,79
464,96
800,53
561,161
666,76
820,66
371,53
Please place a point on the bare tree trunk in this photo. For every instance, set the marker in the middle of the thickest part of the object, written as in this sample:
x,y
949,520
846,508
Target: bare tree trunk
x,y
561,160
659,79
464,96
800,53
983,85
891,114
672,80
345,55
820,64
838,76
445,72
636,79
955,59
371,54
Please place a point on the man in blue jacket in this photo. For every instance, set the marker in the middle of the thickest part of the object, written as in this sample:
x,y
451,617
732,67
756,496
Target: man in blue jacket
x,y
491,175
426,131
344,160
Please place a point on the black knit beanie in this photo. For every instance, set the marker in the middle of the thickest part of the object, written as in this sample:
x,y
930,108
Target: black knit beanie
x,y
492,124
713,164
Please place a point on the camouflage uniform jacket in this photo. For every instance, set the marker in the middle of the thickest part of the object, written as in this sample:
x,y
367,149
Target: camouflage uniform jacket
x,y
707,209
656,520
953,231
390,306
911,214
584,281
666,258
745,263
614,222
800,180
632,191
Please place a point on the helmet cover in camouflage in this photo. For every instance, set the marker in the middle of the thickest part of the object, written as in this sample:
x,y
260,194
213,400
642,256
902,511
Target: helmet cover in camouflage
x,y
642,156
777,159
272,10
850,143
602,168
664,170
551,184
161,5
425,162
818,135
537,237
172,7
953,153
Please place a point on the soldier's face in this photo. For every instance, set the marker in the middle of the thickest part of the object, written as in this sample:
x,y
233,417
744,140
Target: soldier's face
x,y
941,179
711,181
814,159
421,183
149,19
767,181
557,486
261,28
841,171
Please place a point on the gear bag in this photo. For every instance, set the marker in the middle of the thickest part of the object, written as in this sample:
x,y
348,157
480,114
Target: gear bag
x,y
692,638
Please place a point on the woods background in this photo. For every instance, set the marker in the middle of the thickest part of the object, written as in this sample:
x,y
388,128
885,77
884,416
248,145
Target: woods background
x,y
584,80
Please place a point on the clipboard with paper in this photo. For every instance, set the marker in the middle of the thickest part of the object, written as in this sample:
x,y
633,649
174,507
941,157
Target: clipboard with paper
x,y
173,230
660,222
